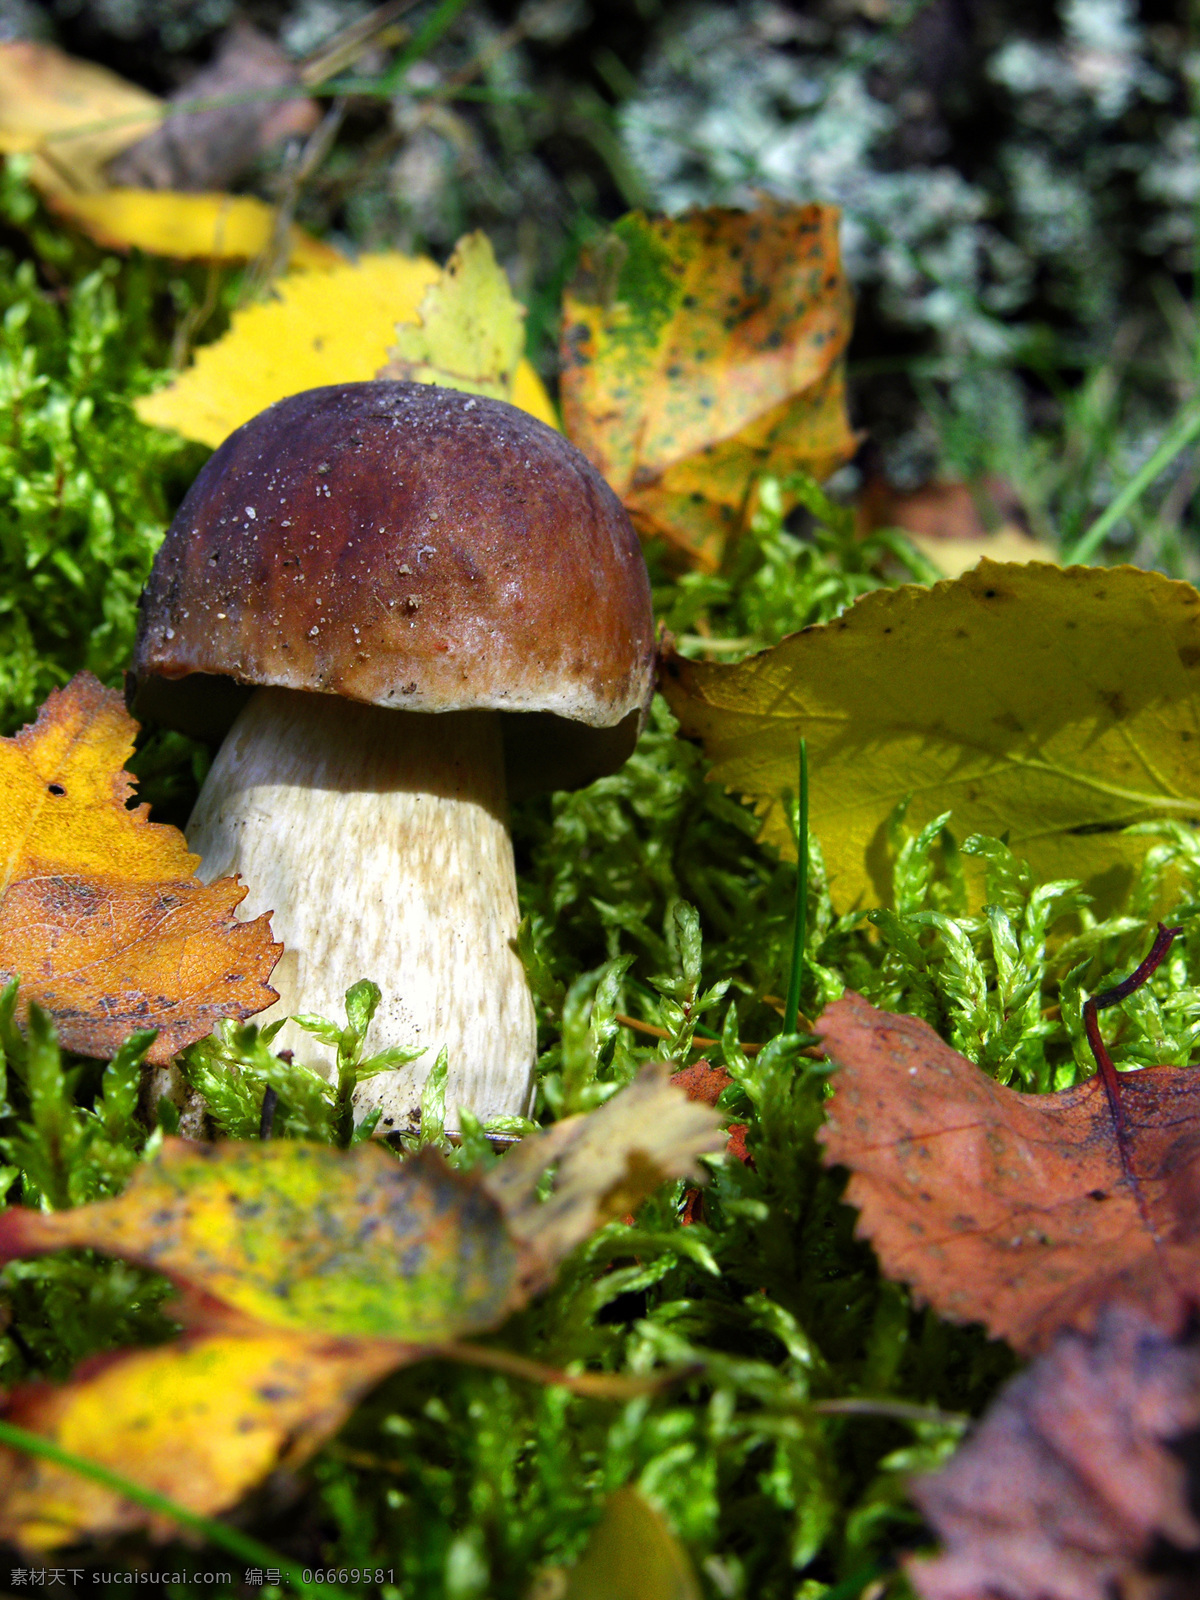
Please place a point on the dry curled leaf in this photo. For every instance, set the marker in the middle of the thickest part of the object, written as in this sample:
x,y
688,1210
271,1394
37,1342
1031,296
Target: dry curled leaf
x,y
1012,1209
955,525
701,351
1053,707
209,149
301,338
102,918
606,1163
200,1420
1075,1485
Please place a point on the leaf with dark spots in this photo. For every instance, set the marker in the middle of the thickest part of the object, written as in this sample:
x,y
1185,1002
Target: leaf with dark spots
x,y
702,351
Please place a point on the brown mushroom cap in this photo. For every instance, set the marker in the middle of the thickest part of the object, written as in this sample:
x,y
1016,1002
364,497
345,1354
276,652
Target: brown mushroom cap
x,y
407,546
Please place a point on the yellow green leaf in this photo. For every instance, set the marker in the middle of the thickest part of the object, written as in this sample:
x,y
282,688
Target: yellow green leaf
x,y
303,337
357,1243
702,351
471,327
200,1420
1052,706
304,1237
208,227
102,918
632,1555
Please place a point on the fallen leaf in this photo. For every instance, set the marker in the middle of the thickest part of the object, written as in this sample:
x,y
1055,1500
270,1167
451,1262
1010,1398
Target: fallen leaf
x,y
470,329
206,227
703,1082
355,1242
301,339
210,149
1012,1209
304,1237
632,1555
701,351
606,1163
955,525
309,1272
45,94
101,915
1054,707
1073,1483
201,1420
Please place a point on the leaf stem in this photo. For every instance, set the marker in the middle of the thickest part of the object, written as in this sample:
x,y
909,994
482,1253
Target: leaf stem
x,y
791,1008
1163,940
237,1543
1177,440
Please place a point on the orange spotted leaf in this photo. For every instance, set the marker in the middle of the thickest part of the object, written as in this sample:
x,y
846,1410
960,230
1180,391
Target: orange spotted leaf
x,y
102,918
702,351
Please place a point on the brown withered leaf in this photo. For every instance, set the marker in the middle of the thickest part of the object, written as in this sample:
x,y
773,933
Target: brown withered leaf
x,y
1070,1488
210,149
102,918
954,525
1012,1209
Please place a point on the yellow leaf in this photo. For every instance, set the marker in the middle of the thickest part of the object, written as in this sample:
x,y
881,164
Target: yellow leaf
x,y
200,1420
209,227
470,327
303,337
1054,706
101,915
632,1555
702,351
44,94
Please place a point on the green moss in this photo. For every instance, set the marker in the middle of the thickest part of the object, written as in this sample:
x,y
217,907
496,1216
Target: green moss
x,y
646,896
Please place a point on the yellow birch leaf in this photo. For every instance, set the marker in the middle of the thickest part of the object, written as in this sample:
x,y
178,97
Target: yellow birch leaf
x,y
102,918
317,328
44,94
189,227
470,327
200,1420
1053,706
701,351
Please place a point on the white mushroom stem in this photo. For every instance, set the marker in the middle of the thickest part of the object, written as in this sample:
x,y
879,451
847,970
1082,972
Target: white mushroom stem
x,y
379,842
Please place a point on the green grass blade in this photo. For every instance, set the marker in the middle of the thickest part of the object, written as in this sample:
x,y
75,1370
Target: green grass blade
x,y
791,1008
237,1544
1176,442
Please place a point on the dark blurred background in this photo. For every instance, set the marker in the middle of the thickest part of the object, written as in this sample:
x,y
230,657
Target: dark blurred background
x,y
1019,182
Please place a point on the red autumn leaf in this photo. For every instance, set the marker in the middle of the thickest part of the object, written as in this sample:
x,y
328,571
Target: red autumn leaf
x,y
1013,1209
1071,1482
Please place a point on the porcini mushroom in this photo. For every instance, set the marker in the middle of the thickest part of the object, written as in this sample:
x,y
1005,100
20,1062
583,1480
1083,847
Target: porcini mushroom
x,y
400,601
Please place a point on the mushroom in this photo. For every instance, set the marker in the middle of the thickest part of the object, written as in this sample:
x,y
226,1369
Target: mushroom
x,y
398,603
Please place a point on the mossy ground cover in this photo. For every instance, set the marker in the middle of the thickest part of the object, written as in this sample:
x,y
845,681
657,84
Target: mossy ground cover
x,y
647,896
